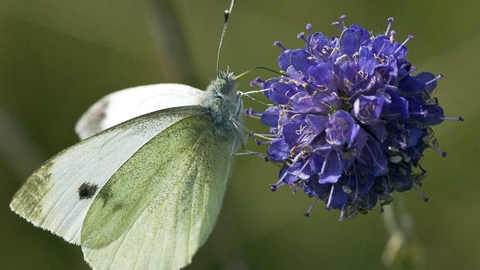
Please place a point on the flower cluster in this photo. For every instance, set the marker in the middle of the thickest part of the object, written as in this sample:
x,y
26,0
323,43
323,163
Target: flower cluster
x,y
350,121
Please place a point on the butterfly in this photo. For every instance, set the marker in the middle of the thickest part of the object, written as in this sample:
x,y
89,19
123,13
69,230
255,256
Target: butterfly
x,y
144,186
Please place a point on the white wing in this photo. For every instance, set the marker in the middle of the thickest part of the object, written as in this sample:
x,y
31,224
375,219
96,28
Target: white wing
x,y
161,205
126,104
58,195
145,193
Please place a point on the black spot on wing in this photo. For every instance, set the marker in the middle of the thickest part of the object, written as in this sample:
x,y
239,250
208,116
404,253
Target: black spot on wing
x,y
87,190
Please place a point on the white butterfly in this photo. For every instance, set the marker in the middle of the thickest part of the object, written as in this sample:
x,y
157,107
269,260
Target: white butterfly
x,y
144,187
144,192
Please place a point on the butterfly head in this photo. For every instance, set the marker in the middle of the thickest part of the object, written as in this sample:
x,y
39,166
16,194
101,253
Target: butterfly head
x,y
224,85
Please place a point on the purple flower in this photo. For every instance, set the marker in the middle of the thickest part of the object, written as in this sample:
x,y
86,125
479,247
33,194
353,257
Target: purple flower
x,y
350,121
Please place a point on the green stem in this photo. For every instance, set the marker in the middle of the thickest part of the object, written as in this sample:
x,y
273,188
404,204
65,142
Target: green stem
x,y
401,252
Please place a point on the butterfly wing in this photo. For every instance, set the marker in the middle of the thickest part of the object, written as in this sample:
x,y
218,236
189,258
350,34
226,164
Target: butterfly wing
x,y
160,206
129,103
57,196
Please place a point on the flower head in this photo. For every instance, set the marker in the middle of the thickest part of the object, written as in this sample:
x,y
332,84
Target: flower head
x,y
350,121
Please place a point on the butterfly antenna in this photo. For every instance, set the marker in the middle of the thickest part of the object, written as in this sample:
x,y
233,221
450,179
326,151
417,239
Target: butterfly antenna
x,y
227,16
265,68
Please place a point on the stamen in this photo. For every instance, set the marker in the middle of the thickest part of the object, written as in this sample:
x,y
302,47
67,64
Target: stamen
x,y
434,79
417,179
269,136
443,153
279,44
337,24
257,142
281,179
251,112
399,47
321,173
302,36
309,27
307,214
453,118
274,187
425,199
390,21
392,35
342,214
421,168
247,94
257,81
383,46
329,199
342,18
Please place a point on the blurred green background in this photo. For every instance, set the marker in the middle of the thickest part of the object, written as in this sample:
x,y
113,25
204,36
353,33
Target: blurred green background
x,y
58,57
